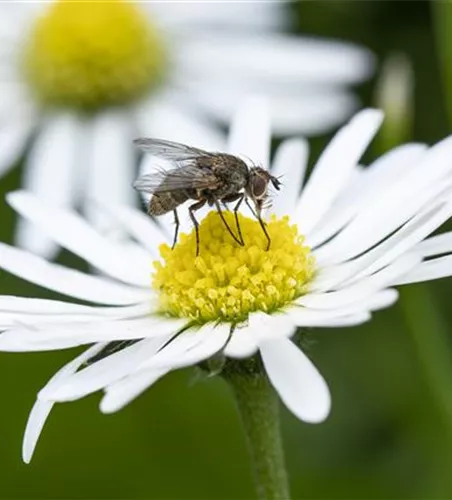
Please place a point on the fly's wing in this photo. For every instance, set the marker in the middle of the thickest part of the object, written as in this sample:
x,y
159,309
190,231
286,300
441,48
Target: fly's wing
x,y
189,177
167,150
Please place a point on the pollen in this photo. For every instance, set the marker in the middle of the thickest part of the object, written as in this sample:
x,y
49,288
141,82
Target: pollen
x,y
89,55
226,281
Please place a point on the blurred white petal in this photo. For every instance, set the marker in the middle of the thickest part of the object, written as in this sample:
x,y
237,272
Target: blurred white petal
x,y
276,58
12,143
196,16
110,166
249,136
51,172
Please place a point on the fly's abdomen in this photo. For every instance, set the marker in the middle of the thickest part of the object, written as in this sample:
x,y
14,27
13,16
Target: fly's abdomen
x,y
162,203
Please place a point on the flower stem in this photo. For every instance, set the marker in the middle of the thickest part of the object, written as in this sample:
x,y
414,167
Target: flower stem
x,y
442,24
430,336
258,406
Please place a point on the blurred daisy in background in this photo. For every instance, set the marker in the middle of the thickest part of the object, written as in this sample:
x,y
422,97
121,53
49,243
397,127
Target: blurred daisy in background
x,y
80,80
365,231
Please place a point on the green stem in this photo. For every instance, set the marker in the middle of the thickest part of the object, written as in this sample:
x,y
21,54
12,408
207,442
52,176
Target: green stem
x,y
430,336
442,22
258,406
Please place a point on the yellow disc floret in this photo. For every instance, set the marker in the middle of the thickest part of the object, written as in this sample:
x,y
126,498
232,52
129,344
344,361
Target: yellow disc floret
x,y
226,281
91,54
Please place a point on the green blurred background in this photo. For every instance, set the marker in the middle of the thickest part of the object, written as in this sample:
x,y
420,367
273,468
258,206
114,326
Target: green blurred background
x,y
390,431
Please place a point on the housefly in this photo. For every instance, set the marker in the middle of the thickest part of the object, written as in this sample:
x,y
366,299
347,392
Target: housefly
x,y
206,177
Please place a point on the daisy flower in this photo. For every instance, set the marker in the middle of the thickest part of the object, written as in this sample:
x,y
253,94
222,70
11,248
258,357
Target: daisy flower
x,y
79,80
338,249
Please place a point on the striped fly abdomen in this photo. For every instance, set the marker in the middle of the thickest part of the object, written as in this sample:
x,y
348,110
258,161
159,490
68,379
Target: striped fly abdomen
x,y
163,203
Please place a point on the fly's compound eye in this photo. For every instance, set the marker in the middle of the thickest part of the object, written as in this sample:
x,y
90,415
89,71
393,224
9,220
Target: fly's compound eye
x,y
259,186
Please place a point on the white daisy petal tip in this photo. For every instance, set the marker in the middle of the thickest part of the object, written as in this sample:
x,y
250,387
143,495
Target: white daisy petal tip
x,y
371,116
15,198
297,381
35,424
122,392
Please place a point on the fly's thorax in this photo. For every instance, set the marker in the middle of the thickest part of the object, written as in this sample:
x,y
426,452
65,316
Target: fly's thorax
x,y
163,203
232,173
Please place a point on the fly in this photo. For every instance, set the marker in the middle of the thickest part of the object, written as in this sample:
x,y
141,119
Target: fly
x,y
206,177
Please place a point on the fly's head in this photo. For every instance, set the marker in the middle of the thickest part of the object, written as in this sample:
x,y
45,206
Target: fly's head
x,y
257,187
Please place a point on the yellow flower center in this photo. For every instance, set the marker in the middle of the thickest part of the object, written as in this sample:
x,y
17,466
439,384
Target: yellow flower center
x,y
91,54
227,282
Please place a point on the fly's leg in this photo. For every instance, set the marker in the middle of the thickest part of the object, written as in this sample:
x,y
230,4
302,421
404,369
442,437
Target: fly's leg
x,y
264,229
239,198
236,215
248,204
176,231
257,214
191,210
220,213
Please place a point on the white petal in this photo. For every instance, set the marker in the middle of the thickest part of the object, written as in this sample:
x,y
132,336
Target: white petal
x,y
421,186
11,303
42,408
435,245
194,16
301,109
367,189
15,320
260,327
385,298
51,173
166,117
392,216
121,393
290,163
18,311
72,232
384,171
59,335
265,326
417,229
431,270
110,166
297,381
275,58
105,371
365,287
36,420
18,16
313,112
141,227
13,139
403,240
190,347
16,103
242,343
249,136
306,317
68,281
334,167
